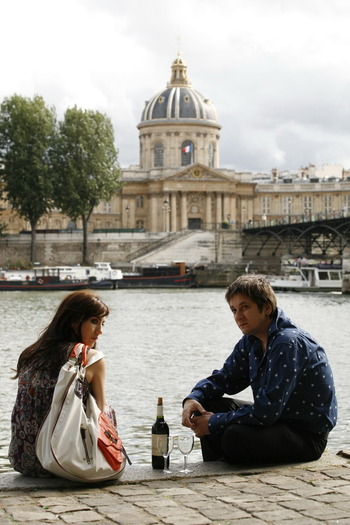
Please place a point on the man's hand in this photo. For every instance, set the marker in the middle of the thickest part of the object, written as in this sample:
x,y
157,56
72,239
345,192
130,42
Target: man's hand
x,y
199,424
190,406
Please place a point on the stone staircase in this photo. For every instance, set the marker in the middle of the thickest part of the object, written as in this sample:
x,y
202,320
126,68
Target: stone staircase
x,y
195,247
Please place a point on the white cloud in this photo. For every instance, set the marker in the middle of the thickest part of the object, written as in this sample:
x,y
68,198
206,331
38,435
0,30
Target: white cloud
x,y
277,71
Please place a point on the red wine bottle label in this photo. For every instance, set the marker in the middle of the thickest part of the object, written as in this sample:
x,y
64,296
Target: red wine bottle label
x,y
156,443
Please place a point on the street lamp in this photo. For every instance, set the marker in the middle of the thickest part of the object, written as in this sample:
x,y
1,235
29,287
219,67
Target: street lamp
x,y
127,211
166,210
289,209
243,215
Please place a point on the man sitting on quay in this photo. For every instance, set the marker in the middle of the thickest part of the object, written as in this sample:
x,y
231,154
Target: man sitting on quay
x,y
294,403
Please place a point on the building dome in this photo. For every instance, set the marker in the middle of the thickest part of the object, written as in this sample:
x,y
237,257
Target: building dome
x,y
179,101
179,126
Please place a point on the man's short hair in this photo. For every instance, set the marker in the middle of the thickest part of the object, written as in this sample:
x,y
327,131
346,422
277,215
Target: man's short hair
x,y
257,288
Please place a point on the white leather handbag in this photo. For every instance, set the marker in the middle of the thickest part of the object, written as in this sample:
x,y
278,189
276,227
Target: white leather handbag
x,y
79,442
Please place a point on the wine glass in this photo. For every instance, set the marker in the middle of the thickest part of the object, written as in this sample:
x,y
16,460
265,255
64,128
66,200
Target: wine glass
x,y
165,445
185,444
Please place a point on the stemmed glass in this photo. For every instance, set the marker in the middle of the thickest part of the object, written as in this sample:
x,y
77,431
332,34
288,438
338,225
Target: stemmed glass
x,y
165,445
185,444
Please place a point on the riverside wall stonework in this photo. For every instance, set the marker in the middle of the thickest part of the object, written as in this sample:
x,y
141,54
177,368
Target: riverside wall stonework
x,y
220,256
66,249
15,250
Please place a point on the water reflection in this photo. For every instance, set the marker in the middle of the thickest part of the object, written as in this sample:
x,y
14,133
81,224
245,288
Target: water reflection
x,y
159,343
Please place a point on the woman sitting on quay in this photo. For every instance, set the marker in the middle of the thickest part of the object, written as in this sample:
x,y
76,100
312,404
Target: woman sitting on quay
x,y
79,319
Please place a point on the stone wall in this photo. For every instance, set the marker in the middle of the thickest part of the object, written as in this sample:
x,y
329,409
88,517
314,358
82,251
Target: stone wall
x,y
208,248
66,249
57,249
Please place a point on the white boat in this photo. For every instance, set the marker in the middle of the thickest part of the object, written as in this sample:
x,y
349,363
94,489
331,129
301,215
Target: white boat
x,y
99,276
318,278
99,271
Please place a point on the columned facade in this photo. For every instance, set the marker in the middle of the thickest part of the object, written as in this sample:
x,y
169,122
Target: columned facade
x,y
178,184
178,181
196,197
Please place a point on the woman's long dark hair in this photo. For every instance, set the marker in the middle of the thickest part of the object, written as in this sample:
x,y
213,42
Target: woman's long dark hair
x,y
52,348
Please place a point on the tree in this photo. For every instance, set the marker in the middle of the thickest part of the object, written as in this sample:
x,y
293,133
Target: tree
x,y
86,165
27,130
2,225
2,230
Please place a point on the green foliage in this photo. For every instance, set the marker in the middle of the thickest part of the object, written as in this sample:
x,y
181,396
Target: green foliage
x,y
27,131
85,162
19,264
86,165
74,167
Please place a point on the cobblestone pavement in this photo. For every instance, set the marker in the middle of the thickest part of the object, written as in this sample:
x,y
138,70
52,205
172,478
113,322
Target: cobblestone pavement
x,y
303,494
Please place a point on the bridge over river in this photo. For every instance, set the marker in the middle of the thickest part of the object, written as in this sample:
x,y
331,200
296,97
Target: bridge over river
x,y
299,236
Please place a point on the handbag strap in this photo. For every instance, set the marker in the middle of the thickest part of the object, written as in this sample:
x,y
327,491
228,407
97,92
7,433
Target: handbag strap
x,y
80,350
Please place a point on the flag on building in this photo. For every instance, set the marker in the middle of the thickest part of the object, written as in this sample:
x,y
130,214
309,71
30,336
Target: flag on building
x,y
187,149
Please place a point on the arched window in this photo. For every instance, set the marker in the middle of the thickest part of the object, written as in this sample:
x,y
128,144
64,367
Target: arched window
x,y
187,153
140,224
139,201
158,155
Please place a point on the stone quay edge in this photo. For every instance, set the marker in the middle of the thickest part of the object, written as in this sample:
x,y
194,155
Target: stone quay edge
x,y
299,494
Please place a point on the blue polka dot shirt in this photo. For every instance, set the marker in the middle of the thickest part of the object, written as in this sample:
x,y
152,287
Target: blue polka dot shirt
x,y
291,381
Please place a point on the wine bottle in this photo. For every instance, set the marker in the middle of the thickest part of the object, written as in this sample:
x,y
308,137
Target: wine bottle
x,y
159,429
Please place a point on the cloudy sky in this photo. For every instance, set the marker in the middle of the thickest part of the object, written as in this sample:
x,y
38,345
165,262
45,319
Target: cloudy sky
x,y
278,71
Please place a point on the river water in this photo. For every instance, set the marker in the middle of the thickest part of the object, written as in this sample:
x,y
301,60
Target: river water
x,y
159,343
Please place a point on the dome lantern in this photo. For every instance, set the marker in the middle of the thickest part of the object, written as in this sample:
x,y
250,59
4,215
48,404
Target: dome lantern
x,y
178,73
179,126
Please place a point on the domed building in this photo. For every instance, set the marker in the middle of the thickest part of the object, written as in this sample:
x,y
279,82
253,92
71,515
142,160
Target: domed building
x,y
178,185
179,126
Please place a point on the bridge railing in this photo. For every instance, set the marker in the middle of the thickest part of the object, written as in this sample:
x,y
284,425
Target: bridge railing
x,y
294,219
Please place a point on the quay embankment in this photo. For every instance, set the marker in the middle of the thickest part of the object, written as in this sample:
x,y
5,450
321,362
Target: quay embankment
x,y
214,493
